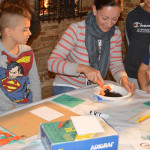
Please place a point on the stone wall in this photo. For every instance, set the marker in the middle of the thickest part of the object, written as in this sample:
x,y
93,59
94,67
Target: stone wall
x,y
51,33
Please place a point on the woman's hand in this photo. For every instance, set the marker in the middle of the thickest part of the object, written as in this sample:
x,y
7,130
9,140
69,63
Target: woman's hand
x,y
129,86
91,73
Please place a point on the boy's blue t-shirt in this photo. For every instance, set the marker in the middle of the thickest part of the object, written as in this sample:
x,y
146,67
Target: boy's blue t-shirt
x,y
146,58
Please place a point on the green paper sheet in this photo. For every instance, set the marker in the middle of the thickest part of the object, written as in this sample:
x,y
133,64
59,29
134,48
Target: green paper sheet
x,y
68,100
147,103
57,135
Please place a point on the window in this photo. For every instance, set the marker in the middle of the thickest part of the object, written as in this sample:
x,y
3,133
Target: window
x,y
58,9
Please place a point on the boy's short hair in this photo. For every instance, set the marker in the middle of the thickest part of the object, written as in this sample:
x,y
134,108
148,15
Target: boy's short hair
x,y
10,11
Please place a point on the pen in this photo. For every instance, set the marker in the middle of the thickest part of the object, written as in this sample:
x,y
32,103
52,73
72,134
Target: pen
x,y
98,114
143,118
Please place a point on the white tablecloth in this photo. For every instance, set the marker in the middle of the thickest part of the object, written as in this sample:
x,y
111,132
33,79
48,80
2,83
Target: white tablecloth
x,y
122,117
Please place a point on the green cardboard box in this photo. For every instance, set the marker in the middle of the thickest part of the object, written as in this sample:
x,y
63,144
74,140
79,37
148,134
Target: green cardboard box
x,y
66,138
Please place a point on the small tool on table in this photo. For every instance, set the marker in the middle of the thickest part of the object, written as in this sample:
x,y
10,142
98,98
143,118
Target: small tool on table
x,y
5,133
105,91
141,119
98,114
8,138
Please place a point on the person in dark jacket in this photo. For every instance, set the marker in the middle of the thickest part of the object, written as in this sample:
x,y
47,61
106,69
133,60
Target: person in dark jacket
x,y
138,39
35,22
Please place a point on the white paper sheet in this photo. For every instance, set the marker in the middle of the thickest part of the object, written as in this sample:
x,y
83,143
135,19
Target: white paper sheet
x,y
46,113
86,124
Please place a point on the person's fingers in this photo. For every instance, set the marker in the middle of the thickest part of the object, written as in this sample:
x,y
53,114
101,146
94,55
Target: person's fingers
x,y
100,78
134,87
92,78
95,79
126,86
91,73
148,91
129,86
94,75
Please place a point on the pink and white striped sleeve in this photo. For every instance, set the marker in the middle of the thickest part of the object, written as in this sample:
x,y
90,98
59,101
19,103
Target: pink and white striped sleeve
x,y
58,61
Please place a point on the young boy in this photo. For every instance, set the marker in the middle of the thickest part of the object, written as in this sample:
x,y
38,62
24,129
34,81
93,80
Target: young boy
x,y
19,80
144,73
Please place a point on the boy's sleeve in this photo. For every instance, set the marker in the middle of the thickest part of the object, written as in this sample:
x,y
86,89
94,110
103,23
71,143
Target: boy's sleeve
x,y
5,103
35,85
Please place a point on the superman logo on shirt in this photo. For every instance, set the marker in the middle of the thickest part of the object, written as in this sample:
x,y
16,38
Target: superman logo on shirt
x,y
14,79
10,85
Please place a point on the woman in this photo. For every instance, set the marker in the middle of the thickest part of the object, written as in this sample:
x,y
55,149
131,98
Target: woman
x,y
35,22
138,39
88,48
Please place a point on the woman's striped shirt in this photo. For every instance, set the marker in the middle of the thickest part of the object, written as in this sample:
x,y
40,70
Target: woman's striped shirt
x,y
71,51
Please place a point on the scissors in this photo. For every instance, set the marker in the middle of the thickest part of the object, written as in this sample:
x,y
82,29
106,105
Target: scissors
x,y
8,138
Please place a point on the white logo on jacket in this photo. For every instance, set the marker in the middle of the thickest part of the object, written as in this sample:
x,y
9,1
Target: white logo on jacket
x,y
138,24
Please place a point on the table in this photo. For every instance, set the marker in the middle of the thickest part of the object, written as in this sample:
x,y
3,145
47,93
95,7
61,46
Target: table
x,y
122,117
